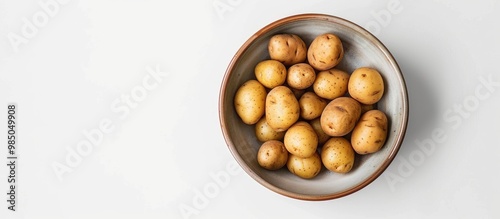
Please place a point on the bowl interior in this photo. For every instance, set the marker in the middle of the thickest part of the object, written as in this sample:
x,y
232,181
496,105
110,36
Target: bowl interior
x,y
360,49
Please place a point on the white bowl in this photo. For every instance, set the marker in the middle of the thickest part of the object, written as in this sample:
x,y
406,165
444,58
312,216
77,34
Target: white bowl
x,y
361,48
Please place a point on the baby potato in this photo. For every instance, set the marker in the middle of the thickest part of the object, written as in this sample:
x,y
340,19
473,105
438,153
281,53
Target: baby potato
x,y
366,85
264,132
322,136
331,83
340,116
370,133
301,139
337,155
281,108
296,92
366,107
311,105
300,76
272,155
304,167
325,52
249,101
287,48
270,73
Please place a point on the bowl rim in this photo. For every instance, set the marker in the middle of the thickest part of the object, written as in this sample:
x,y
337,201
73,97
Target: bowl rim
x,y
330,18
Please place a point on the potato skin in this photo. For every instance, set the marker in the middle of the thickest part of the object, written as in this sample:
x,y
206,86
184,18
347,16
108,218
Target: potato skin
x,y
340,116
311,105
366,107
300,76
366,85
306,168
249,101
370,133
331,83
281,108
322,136
272,155
287,48
270,73
264,132
337,155
301,139
325,52
297,92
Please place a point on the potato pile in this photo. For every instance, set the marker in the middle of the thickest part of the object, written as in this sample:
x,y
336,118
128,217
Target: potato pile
x,y
307,112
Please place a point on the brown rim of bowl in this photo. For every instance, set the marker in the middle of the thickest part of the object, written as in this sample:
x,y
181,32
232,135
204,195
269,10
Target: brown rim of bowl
x,y
308,16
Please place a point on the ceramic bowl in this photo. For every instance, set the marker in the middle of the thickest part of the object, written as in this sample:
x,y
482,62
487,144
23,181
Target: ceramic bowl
x,y
361,49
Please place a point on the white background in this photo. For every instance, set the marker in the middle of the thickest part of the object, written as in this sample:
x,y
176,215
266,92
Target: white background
x,y
162,154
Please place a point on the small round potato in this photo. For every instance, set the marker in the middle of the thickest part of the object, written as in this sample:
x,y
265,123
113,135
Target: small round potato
x,y
322,136
370,133
340,116
281,108
331,83
366,85
287,48
366,107
337,155
311,105
249,101
307,167
264,132
270,73
325,52
301,139
272,155
300,76
296,92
